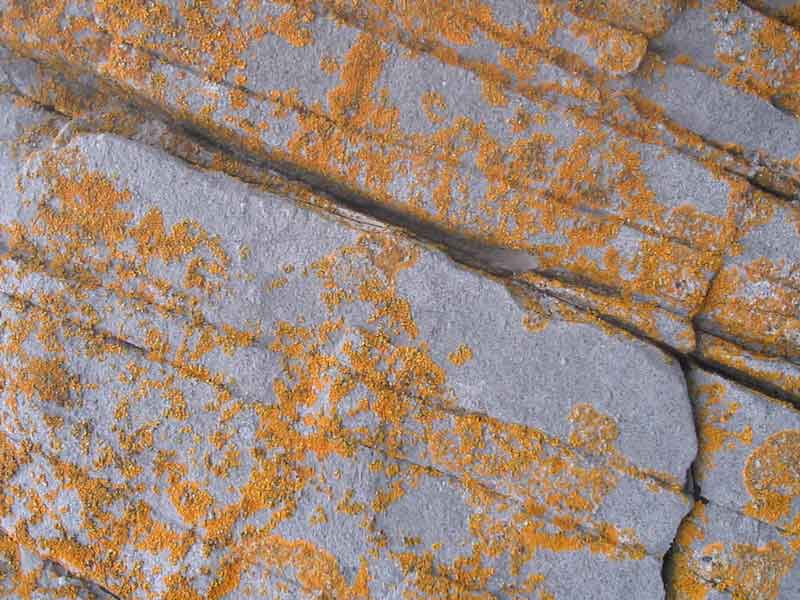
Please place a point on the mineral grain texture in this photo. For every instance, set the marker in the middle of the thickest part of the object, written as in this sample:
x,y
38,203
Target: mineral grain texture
x,y
371,299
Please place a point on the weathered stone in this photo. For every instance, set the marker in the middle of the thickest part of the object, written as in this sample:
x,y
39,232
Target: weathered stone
x,y
729,74
748,450
650,17
776,375
746,50
594,232
151,472
413,347
747,125
754,299
724,555
246,280
189,272
490,33
25,575
787,11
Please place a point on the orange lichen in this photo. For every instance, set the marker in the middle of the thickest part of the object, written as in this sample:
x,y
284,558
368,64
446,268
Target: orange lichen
x,y
713,415
461,356
619,52
746,571
758,366
190,501
650,17
45,379
153,240
534,492
9,459
593,431
772,477
358,108
180,589
684,581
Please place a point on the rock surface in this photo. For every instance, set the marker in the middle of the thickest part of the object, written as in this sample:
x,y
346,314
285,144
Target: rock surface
x,y
742,538
337,299
25,575
198,315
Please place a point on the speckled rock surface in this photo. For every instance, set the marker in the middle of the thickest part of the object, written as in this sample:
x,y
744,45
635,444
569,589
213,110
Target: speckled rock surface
x,y
25,575
338,299
741,538
723,554
208,332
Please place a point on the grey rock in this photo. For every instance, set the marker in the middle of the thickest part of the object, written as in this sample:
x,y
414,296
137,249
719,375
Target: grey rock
x,y
467,193
433,350
723,555
176,490
748,445
785,10
740,63
754,299
775,375
25,575
339,299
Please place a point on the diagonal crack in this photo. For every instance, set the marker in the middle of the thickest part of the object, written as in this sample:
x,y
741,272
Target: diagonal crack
x,y
262,342
382,450
62,570
491,261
